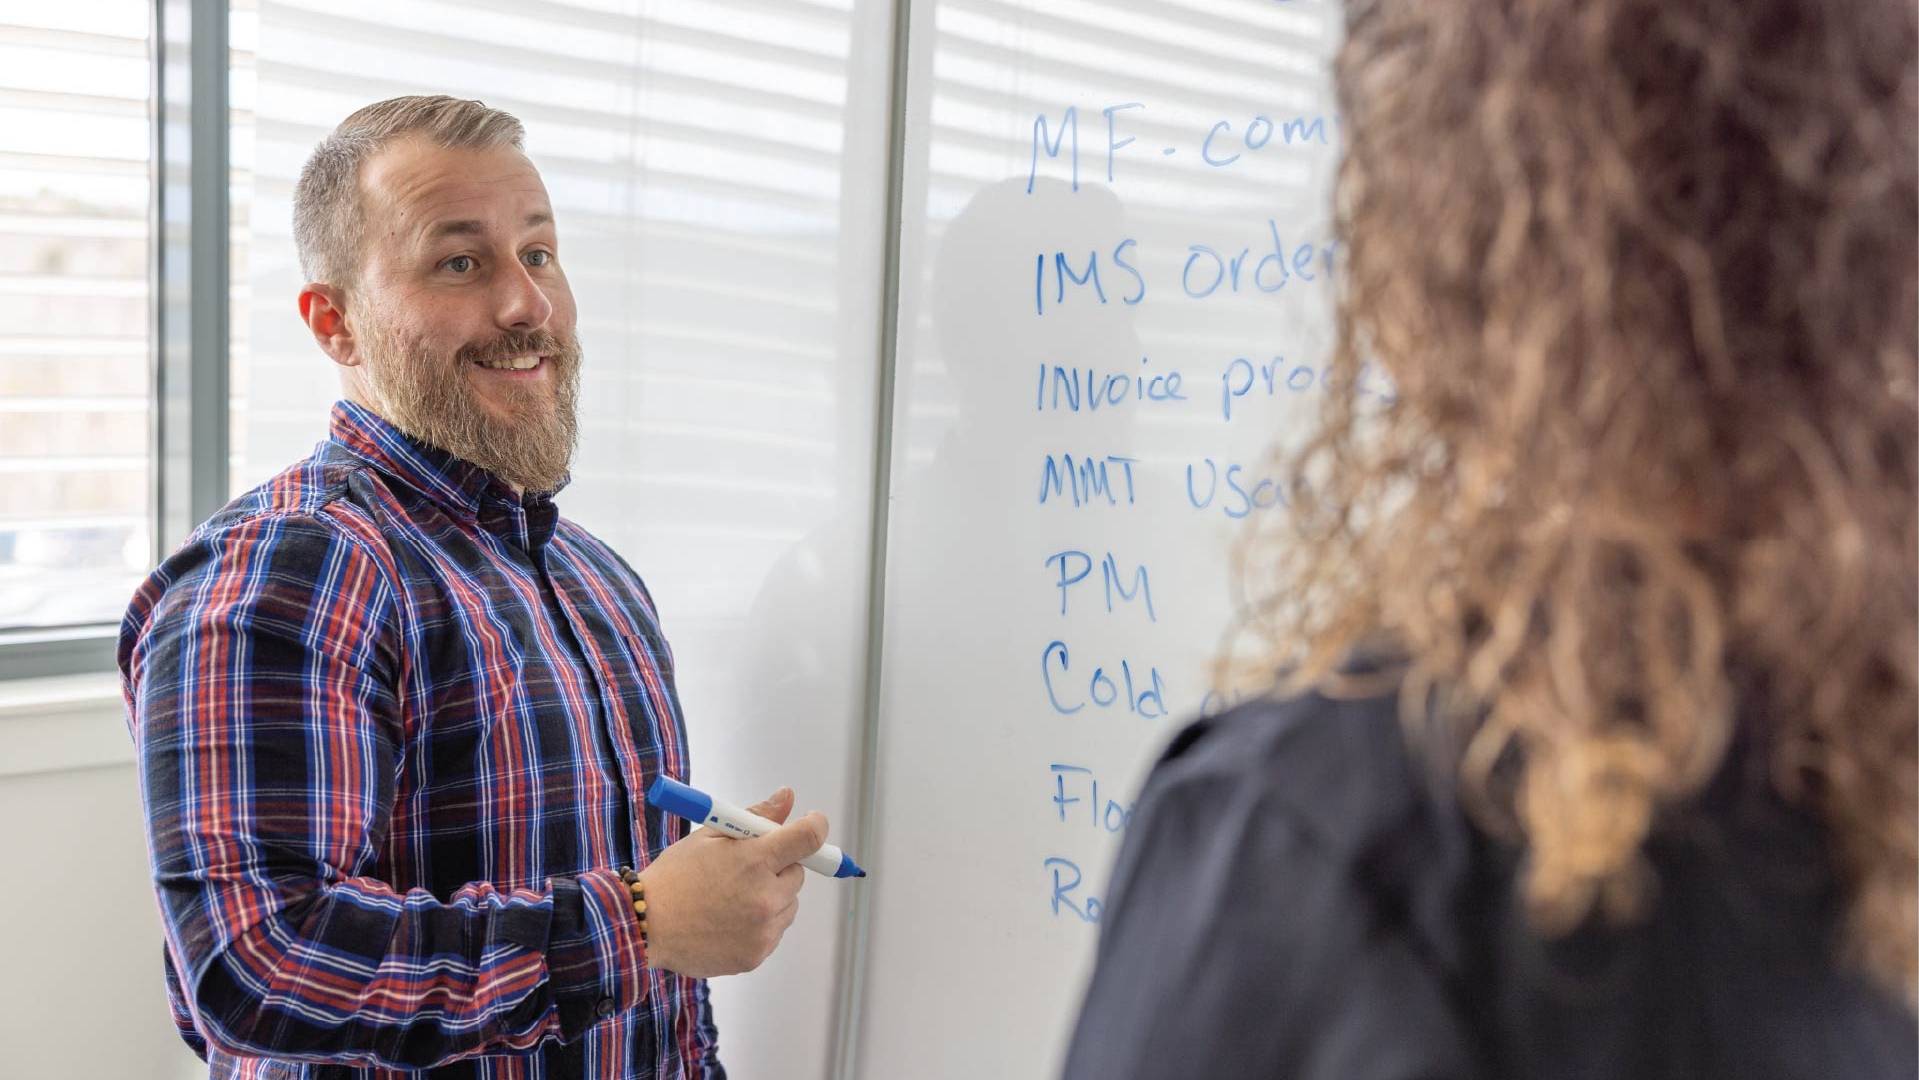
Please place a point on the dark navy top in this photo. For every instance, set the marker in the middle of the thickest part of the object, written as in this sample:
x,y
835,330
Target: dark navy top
x,y
1300,897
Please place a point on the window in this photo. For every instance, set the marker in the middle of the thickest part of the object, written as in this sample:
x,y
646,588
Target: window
x,y
76,440
113,288
718,172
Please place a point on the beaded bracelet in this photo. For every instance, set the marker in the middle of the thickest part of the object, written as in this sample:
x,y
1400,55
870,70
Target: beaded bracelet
x,y
638,890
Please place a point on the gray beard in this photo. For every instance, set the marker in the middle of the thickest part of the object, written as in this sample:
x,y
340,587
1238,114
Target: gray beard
x,y
429,398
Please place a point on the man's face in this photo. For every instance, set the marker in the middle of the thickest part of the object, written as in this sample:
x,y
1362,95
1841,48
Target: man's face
x,y
463,319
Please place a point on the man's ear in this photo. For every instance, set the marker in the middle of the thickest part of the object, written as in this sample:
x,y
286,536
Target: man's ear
x,y
323,309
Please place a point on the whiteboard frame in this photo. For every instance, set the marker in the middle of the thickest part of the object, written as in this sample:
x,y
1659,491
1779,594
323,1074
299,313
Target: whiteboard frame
x,y
850,980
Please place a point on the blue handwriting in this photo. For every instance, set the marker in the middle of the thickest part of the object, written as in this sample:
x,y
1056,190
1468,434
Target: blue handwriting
x,y
1076,566
1044,141
1106,815
1207,271
1064,271
1074,388
1087,479
1087,910
1239,500
1243,377
1297,131
1102,690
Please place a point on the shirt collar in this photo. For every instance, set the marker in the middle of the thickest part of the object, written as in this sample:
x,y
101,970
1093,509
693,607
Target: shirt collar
x,y
453,482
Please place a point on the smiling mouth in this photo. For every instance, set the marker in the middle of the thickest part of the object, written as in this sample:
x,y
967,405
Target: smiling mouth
x,y
529,362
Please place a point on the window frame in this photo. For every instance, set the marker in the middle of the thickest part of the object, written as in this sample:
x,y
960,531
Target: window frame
x,y
189,334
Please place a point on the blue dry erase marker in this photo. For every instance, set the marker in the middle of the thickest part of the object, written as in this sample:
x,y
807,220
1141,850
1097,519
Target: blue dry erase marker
x,y
702,809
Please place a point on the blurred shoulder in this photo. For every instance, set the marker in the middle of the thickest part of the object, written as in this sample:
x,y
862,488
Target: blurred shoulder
x,y
1315,796
1343,771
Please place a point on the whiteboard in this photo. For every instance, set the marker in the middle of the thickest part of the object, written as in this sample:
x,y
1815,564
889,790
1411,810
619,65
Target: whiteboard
x,y
721,177
1114,299
717,173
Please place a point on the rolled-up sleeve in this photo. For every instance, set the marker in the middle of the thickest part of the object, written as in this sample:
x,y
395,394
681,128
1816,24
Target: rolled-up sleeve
x,y
260,666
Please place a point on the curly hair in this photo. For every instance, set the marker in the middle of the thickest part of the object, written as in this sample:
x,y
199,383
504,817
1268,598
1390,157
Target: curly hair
x,y
1643,277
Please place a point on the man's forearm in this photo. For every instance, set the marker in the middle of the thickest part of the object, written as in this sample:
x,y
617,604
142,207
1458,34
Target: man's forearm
x,y
356,974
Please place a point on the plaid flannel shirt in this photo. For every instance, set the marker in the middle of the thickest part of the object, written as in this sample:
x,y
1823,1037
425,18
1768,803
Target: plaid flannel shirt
x,y
394,724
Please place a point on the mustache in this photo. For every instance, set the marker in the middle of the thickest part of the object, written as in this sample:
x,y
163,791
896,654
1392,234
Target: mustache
x,y
505,347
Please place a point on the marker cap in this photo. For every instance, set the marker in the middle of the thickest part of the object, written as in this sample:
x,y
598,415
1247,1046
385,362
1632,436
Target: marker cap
x,y
676,798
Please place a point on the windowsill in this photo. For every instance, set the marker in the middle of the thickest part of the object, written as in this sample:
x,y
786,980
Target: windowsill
x,y
62,723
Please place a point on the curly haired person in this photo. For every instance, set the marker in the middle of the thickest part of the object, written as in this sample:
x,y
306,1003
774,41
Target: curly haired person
x,y
1597,754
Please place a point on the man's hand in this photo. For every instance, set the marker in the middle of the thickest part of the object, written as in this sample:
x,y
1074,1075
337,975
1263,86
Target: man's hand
x,y
718,906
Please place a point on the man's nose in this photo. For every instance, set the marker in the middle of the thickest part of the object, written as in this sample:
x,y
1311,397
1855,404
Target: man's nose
x,y
519,302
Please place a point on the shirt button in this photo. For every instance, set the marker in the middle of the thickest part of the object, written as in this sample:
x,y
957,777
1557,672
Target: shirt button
x,y
604,1008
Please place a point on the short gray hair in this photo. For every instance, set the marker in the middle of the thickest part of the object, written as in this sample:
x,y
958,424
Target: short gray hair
x,y
328,225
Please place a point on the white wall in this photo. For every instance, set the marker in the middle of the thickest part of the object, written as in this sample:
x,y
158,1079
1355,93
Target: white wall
x,y
81,991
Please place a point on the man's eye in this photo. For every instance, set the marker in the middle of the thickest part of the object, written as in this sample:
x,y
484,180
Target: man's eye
x,y
459,264
539,258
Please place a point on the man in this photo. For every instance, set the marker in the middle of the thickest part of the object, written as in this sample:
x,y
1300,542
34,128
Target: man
x,y
395,715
